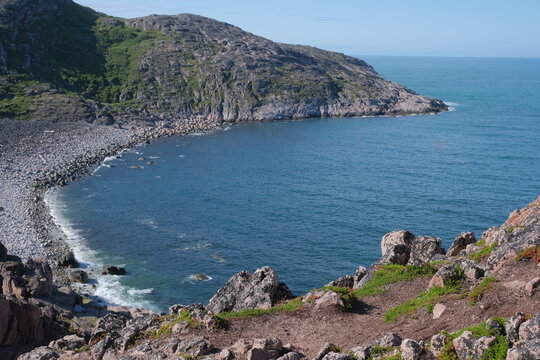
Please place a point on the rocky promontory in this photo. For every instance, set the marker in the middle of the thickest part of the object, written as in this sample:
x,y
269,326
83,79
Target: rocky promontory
x,y
478,300
63,61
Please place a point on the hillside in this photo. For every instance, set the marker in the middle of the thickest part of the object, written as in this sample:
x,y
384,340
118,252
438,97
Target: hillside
x,y
66,62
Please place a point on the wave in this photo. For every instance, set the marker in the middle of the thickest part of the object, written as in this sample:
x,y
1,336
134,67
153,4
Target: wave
x,y
452,105
151,223
108,289
199,246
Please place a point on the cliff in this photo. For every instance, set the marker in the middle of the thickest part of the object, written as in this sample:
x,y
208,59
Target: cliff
x,y
63,61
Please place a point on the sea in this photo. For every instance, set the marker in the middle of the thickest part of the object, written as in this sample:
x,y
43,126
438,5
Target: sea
x,y
310,198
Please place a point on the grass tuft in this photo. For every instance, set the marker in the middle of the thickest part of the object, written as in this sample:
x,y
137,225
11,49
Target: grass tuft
x,y
532,253
483,252
480,289
290,306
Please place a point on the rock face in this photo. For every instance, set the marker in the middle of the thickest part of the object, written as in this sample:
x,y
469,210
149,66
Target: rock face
x,y
247,291
23,280
184,66
461,242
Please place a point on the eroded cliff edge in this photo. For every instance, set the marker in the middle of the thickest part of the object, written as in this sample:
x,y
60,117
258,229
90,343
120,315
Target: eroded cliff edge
x,y
63,61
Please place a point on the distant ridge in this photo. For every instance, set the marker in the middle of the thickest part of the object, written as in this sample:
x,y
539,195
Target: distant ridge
x,y
66,62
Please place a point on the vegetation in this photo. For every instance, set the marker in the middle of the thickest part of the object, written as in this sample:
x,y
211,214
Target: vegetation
x,y
346,295
480,289
390,274
169,322
483,252
496,352
532,253
427,298
290,306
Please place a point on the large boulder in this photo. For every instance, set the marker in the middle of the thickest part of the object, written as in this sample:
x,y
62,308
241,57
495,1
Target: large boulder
x,y
394,238
470,348
22,323
530,329
425,249
461,242
248,291
24,280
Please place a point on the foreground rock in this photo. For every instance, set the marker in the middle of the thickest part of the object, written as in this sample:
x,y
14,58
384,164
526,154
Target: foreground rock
x,y
249,291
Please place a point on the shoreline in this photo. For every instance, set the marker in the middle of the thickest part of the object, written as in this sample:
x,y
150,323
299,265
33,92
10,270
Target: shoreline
x,y
29,226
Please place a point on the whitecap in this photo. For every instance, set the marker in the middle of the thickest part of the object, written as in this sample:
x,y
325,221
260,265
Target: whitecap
x,y
199,277
200,245
148,222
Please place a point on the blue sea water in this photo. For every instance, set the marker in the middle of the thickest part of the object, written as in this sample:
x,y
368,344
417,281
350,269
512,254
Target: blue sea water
x,y
311,198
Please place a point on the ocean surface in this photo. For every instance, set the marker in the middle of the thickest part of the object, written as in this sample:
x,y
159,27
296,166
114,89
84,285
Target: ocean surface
x,y
310,198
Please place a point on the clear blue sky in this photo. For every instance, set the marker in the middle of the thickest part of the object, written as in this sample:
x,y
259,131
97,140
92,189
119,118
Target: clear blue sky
x,y
491,28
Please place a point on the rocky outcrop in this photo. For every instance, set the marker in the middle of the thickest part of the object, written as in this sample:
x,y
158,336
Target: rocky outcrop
x,y
460,243
184,66
404,248
248,291
22,280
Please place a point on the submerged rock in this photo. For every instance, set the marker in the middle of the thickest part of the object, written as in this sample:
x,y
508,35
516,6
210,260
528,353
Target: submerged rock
x,y
113,270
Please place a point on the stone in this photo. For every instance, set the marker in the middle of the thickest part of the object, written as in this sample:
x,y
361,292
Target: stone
x,y
69,342
394,238
530,329
468,347
438,310
438,341
410,350
110,323
292,355
258,354
398,254
41,353
525,351
471,270
460,243
246,291
442,276
358,276
328,347
425,249
268,344
532,285
67,259
195,347
329,300
344,282
224,354
337,356
390,339
512,325
241,347
196,311
79,276
113,270
362,352
64,296
39,278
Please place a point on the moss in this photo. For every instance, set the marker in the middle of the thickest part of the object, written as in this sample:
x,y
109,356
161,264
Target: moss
x,y
290,306
532,253
427,298
85,348
483,252
169,322
480,289
391,274
378,351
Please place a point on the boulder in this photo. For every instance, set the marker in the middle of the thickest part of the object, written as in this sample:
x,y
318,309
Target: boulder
x,y
109,324
241,347
23,280
293,355
329,300
461,242
530,329
327,348
526,350
79,276
394,238
468,347
438,310
390,339
398,254
344,282
425,249
247,291
195,347
259,354
41,353
438,341
359,275
337,356
113,270
68,342
410,350
512,325
39,278
196,311
268,344
532,285
67,259
443,275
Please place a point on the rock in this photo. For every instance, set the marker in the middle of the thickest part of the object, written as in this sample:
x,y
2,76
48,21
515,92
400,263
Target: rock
x,y
390,339
398,254
200,277
460,243
194,347
467,347
3,252
394,238
246,291
113,270
424,249
259,354
133,328
438,341
268,344
359,275
530,329
410,350
68,260
443,275
362,352
512,325
241,347
64,296
495,327
329,300
524,351
41,353
532,285
196,311
344,282
337,356
23,280
283,292
438,310
328,347
110,323
292,355
224,354
79,276
471,270
69,342
39,278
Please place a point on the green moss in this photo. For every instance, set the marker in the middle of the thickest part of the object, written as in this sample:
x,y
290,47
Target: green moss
x,y
85,348
290,306
427,298
480,289
391,274
532,253
169,322
483,252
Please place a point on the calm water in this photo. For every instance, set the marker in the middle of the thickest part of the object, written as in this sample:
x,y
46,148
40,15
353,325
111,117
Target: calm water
x,y
312,198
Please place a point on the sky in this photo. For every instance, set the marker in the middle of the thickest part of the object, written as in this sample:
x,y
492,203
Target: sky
x,y
469,28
